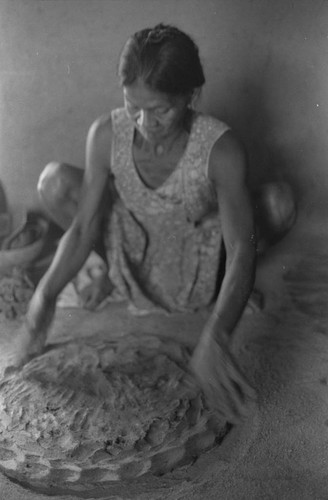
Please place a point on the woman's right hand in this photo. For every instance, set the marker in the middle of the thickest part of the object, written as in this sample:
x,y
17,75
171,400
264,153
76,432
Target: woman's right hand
x,y
39,317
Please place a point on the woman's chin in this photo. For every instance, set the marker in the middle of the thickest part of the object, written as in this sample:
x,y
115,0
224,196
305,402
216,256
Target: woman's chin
x,y
151,136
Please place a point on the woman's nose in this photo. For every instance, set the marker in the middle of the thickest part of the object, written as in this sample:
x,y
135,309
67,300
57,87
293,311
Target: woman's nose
x,y
146,119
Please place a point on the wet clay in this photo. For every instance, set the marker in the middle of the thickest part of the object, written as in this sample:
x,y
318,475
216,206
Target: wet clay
x,y
92,413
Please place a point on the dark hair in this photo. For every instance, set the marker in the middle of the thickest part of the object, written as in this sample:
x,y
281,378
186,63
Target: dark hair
x,y
165,58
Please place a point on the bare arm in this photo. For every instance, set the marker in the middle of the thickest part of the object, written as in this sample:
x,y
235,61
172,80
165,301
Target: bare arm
x,y
213,365
79,239
228,170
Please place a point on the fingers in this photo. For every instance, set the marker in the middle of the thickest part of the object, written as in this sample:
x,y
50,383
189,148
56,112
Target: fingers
x,y
189,386
22,351
39,316
37,335
231,397
226,389
236,381
236,391
223,399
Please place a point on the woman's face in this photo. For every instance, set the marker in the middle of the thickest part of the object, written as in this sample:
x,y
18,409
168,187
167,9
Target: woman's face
x,y
156,115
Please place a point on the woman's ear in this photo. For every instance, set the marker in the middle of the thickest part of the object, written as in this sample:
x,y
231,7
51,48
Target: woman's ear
x,y
194,96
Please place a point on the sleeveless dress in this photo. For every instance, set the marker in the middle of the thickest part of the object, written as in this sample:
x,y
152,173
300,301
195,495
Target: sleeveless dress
x,y
163,245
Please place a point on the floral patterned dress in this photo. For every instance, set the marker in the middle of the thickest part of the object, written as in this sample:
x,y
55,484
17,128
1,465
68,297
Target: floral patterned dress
x,y
163,245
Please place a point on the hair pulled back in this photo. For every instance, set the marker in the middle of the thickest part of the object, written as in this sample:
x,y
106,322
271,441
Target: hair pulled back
x,y
165,58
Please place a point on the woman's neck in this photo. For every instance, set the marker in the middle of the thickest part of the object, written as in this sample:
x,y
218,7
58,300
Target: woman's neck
x,y
154,167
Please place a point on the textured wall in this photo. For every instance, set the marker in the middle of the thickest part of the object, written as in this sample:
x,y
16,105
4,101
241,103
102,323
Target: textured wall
x,y
265,62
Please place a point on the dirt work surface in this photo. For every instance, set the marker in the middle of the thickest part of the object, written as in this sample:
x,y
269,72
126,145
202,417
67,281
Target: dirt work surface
x,y
281,450
90,413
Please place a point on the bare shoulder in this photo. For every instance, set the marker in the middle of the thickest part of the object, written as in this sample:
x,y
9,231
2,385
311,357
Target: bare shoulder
x,y
228,159
98,147
101,128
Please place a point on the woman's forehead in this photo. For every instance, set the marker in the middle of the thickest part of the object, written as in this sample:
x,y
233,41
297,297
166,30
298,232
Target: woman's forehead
x,y
140,94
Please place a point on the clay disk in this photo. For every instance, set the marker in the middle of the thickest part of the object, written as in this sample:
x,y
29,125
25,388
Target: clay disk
x,y
91,413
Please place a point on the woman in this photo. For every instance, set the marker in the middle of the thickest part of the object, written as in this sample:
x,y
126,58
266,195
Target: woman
x,y
164,187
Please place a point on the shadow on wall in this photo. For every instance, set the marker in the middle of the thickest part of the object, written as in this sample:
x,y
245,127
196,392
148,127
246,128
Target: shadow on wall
x,y
277,107
270,128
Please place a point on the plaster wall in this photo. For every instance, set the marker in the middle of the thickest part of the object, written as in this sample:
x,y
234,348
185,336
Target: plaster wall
x,y
266,64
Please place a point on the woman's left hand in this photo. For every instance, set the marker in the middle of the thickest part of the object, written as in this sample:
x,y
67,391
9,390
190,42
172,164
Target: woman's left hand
x,y
226,388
